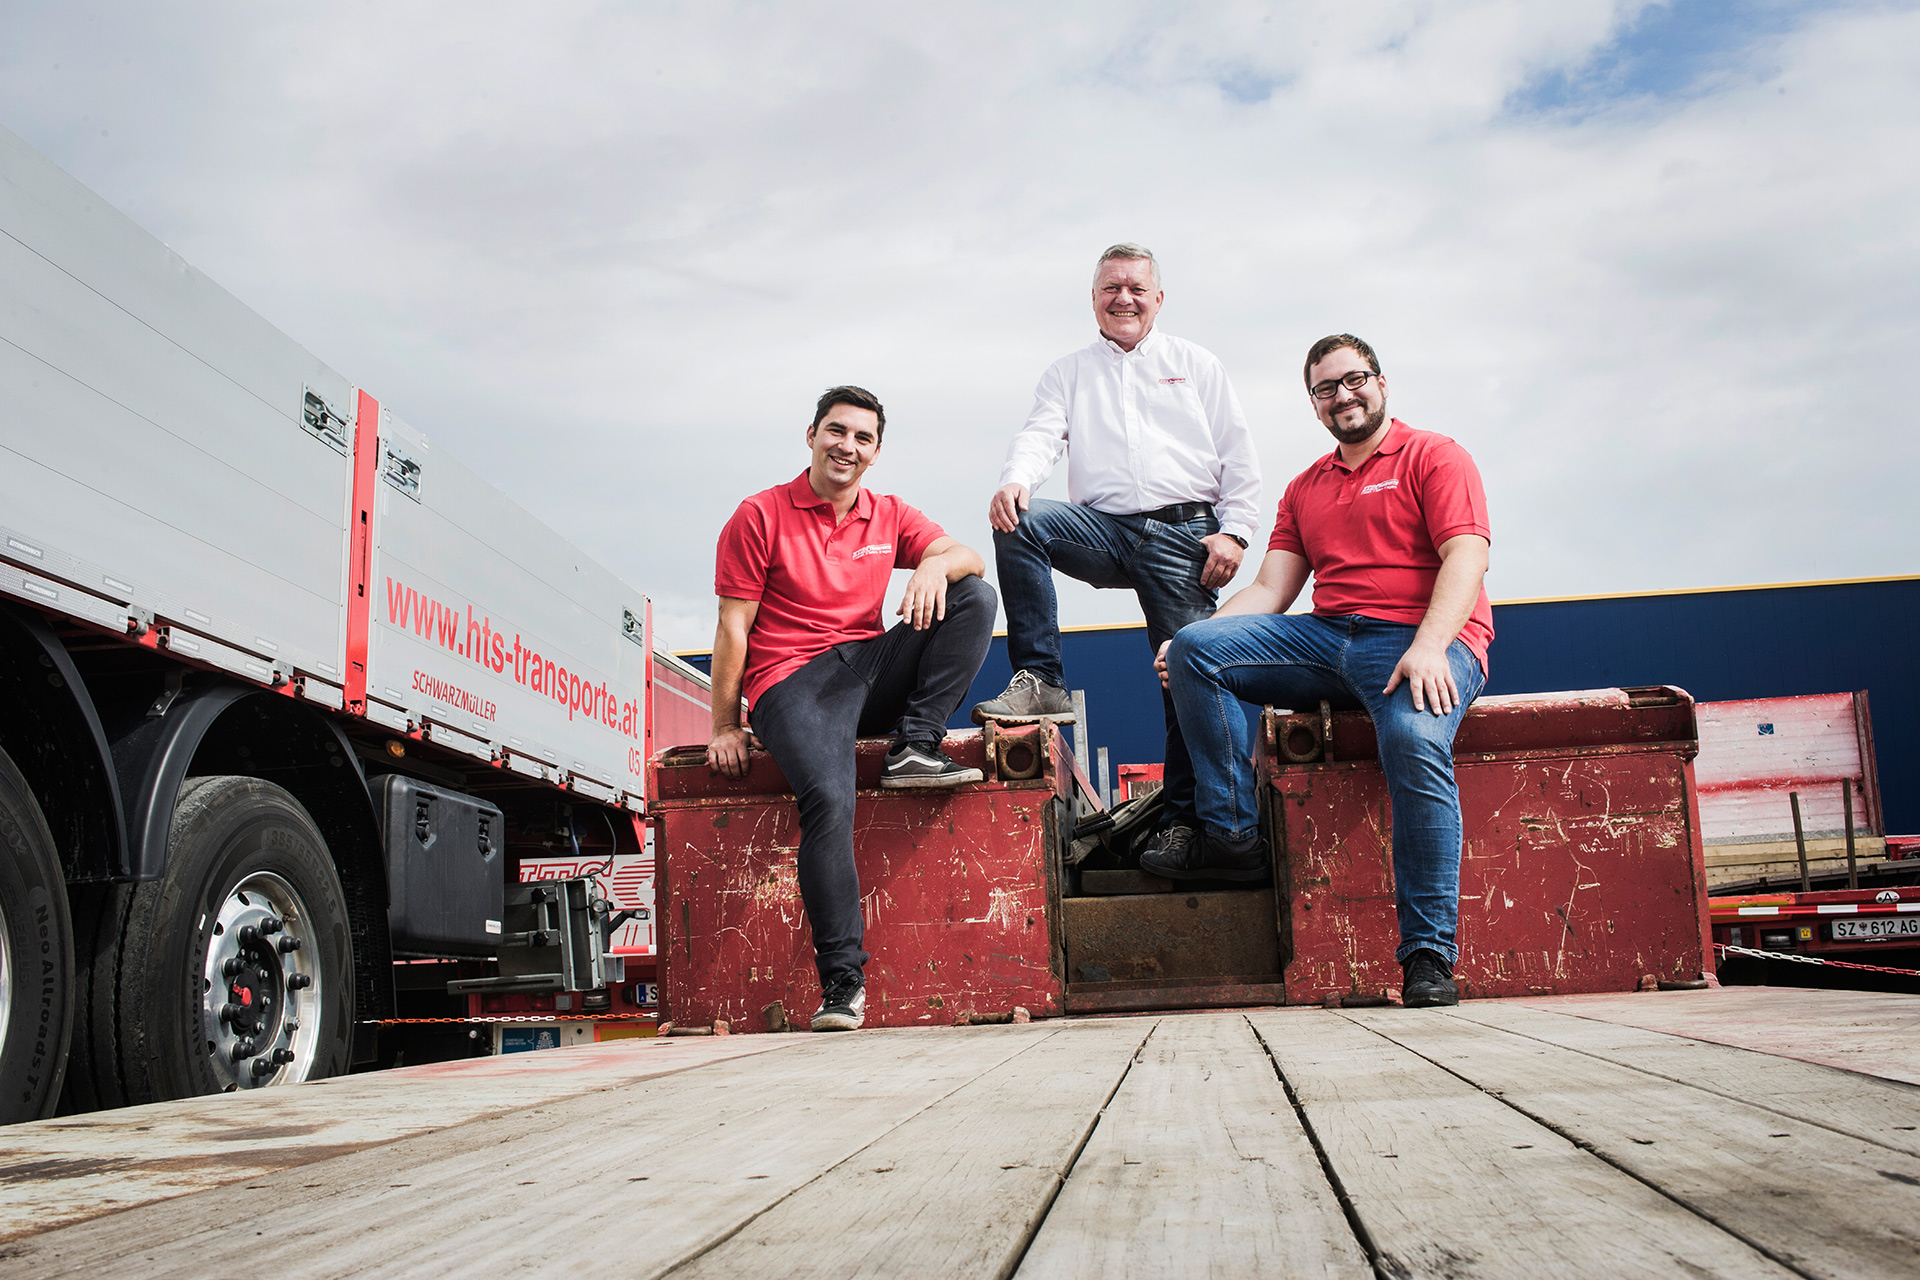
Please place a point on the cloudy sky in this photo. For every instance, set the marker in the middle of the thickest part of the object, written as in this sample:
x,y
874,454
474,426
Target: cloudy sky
x,y
1655,265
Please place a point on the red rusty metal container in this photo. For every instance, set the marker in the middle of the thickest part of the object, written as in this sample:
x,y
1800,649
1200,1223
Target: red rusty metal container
x,y
1582,867
960,888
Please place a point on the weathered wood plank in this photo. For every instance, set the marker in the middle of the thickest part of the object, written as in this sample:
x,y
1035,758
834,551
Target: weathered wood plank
x,y
56,1172
955,1191
677,1162
1883,1112
1449,1181
1198,1167
1872,1032
1823,1203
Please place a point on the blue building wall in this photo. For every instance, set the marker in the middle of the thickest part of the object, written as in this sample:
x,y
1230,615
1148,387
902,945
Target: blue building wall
x,y
1766,642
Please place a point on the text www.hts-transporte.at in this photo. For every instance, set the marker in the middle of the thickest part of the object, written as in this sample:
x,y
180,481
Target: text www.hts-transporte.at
x,y
474,638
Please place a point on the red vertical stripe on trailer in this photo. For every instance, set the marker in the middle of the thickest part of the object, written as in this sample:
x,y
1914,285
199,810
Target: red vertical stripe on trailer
x,y
366,460
647,693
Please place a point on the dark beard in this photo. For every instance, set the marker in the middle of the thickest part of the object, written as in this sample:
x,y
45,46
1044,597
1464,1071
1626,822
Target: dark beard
x,y
1354,435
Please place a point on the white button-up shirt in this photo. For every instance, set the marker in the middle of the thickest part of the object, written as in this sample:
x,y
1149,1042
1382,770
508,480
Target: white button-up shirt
x,y
1142,429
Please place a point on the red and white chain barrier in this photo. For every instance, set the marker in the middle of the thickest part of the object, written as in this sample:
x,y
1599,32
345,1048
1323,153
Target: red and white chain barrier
x,y
1729,949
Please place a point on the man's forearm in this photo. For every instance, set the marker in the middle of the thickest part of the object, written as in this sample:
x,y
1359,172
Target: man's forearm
x,y
956,563
729,668
1456,589
1252,598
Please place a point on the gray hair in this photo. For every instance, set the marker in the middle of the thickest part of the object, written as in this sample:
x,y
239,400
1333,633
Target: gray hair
x,y
1127,249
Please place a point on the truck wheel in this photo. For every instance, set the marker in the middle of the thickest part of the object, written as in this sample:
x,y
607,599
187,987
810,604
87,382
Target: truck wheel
x,y
36,956
234,970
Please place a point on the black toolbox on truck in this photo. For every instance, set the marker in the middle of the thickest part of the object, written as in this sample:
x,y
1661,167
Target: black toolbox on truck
x,y
445,870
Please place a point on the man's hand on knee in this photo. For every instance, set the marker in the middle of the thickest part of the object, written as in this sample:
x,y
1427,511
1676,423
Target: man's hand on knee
x,y
1003,513
728,751
1160,662
925,598
1429,677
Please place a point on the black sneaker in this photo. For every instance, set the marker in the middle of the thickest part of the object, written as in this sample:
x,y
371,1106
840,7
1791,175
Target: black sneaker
x,y
1027,700
1428,981
923,764
843,1005
1184,854
1171,844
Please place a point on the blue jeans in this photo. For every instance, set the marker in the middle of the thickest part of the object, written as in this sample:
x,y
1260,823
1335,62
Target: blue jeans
x,y
1160,563
1295,661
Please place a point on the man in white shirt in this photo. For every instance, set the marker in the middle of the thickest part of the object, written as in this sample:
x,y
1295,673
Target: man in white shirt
x,y
1163,489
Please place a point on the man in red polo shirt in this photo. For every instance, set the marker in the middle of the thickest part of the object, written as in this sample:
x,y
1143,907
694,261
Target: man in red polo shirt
x,y
801,573
1393,527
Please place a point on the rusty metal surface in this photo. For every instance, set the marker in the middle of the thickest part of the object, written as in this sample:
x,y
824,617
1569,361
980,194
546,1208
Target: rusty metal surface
x,y
956,887
1499,725
1162,936
1582,868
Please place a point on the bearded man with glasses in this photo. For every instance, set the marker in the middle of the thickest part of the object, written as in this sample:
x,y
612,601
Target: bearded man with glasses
x,y
1392,525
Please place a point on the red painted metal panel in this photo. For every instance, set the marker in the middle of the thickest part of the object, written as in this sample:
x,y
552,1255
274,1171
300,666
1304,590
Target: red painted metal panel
x,y
1582,868
957,888
366,455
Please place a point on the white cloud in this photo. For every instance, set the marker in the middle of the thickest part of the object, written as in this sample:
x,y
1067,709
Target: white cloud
x,y
609,254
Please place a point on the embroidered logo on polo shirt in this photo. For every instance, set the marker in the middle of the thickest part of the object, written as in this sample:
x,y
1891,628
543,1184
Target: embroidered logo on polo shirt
x,y
874,549
1167,381
1379,485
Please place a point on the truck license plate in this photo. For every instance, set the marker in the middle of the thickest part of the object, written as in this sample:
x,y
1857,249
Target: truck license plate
x,y
1877,927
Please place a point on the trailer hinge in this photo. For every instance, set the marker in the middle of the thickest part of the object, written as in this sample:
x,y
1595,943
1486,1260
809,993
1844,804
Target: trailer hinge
x,y
322,421
400,470
632,628
139,621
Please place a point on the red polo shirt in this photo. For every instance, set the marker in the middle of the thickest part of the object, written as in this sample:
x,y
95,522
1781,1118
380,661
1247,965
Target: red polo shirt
x,y
819,584
1372,535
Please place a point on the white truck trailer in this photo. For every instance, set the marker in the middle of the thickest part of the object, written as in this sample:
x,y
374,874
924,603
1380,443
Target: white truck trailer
x,y
286,692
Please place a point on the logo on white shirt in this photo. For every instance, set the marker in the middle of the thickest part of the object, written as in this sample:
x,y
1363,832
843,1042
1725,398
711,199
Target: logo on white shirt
x,y
874,549
1378,486
1167,382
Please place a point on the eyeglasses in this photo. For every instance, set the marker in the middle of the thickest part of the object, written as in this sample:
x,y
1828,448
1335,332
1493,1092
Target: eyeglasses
x,y
1351,381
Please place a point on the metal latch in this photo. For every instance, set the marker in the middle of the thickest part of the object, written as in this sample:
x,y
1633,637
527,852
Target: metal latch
x,y
322,421
632,628
400,470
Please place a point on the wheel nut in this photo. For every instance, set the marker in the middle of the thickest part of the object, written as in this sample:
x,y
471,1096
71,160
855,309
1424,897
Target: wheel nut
x,y
229,1011
298,982
270,926
248,935
231,966
262,1067
289,945
244,1049
282,1057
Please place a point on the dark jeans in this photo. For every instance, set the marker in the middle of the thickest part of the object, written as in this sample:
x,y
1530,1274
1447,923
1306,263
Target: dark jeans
x,y
903,682
1294,661
1160,563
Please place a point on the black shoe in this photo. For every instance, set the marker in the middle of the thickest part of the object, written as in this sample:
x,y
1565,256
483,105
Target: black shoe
x,y
923,764
1428,981
1184,854
843,1005
1171,845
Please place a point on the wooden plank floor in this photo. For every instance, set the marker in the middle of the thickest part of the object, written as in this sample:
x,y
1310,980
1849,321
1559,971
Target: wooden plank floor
x,y
1633,1135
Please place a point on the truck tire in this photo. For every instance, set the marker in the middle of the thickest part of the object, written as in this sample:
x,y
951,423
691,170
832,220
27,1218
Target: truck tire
x,y
36,956
233,971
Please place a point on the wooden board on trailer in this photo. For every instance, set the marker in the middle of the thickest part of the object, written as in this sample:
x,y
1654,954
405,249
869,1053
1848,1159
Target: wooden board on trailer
x,y
1496,1139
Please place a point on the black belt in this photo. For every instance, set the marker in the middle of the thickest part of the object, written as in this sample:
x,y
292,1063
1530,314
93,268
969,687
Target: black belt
x,y
1179,512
